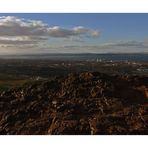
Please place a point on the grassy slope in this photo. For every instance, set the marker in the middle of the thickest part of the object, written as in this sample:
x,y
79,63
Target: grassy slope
x,y
6,84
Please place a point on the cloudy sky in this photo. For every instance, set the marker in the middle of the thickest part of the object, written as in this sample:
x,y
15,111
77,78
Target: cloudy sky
x,y
73,33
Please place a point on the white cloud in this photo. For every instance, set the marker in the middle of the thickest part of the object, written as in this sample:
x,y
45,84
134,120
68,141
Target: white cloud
x,y
57,31
13,26
108,47
20,31
26,34
131,44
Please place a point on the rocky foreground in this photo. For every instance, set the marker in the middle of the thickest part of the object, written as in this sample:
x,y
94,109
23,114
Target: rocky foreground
x,y
86,103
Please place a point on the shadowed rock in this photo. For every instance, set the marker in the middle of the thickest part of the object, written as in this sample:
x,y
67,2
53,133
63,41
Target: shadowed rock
x,y
78,104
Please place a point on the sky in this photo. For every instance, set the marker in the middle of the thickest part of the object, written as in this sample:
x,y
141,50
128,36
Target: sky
x,y
41,33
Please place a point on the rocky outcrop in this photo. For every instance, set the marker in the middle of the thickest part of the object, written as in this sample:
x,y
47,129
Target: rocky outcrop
x,y
78,104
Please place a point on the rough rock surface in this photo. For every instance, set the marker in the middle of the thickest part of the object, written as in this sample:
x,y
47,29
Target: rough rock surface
x,y
85,103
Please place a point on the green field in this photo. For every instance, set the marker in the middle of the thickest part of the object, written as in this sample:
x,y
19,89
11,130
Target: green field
x,y
7,84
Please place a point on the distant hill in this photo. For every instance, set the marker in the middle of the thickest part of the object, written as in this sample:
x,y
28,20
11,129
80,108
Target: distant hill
x,y
82,56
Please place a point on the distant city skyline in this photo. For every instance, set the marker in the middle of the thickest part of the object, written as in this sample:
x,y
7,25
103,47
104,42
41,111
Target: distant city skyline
x,y
35,33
